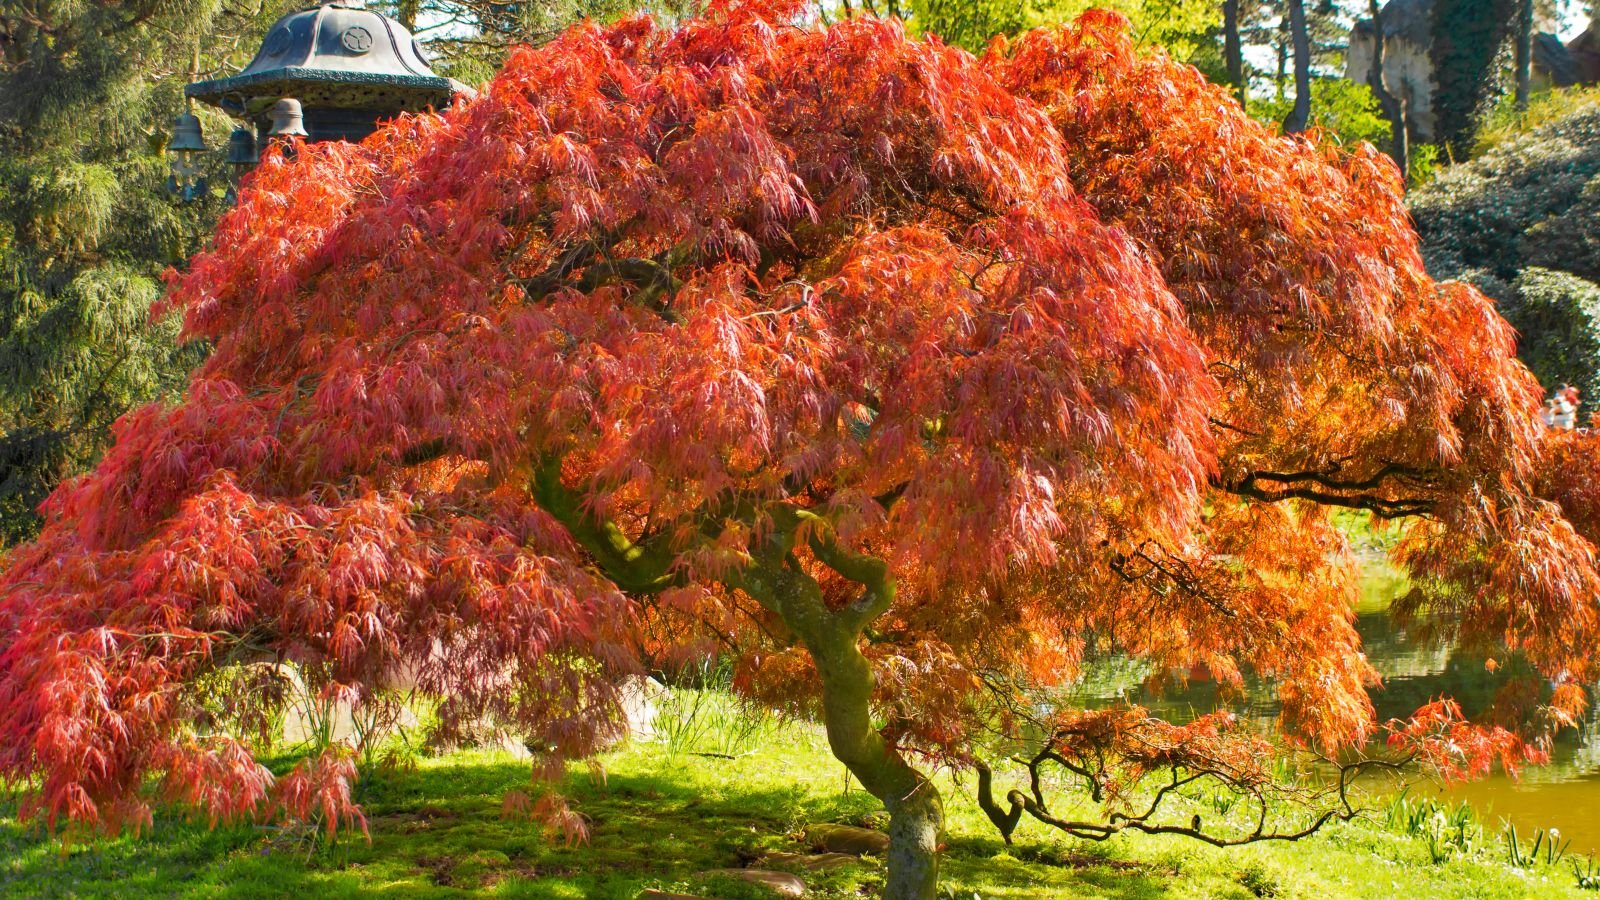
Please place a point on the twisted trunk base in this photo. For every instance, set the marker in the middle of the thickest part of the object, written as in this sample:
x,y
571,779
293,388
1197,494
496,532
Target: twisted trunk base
x,y
832,636
916,814
914,825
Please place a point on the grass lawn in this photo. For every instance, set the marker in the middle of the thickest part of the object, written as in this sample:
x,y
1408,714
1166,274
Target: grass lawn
x,y
659,818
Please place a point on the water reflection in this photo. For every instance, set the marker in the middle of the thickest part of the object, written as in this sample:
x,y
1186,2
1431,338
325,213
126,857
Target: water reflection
x,y
1564,794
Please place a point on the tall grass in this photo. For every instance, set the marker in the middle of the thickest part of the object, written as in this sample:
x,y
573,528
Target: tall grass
x,y
708,719
1448,831
1524,857
1504,122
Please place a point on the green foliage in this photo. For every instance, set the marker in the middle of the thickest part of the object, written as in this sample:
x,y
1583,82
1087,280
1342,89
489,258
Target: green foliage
x,y
709,719
467,39
1547,107
1181,27
1259,881
1423,165
1526,201
1558,318
1526,856
1468,38
1344,110
1447,832
1522,222
1588,876
85,226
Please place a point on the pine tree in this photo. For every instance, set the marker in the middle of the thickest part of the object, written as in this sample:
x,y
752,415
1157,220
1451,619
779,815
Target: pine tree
x,y
85,225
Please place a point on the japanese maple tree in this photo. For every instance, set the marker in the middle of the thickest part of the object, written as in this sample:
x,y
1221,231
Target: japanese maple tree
x,y
892,372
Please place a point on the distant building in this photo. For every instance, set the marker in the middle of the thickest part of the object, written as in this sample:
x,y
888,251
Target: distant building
x,y
1408,61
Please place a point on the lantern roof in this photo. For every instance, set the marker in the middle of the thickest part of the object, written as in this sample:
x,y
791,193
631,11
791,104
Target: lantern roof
x,y
337,55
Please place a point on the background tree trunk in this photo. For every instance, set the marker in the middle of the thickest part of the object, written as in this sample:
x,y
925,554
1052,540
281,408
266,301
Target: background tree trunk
x,y
1300,115
1233,50
1393,109
1281,46
406,13
1524,52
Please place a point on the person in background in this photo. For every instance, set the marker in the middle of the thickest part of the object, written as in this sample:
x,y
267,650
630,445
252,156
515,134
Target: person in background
x,y
1561,410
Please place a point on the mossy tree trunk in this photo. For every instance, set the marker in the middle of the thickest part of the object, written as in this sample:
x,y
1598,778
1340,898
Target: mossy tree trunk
x,y
832,636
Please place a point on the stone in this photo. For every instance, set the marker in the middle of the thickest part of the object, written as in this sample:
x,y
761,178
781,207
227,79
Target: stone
x,y
848,839
781,883
811,862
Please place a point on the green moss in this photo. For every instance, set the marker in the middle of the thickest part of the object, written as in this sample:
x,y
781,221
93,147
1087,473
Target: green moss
x,y
659,820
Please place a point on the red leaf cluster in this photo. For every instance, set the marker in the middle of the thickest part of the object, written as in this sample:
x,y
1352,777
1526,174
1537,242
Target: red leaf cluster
x,y
1456,749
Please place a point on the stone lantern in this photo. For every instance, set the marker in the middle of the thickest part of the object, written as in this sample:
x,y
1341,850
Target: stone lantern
x,y
332,72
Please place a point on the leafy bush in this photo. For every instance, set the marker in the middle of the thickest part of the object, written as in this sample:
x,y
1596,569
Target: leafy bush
x,y
1504,122
1528,201
1346,110
1259,881
1423,164
1522,223
1558,317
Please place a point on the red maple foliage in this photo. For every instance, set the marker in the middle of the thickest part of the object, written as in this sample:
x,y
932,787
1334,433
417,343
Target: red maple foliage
x,y
895,372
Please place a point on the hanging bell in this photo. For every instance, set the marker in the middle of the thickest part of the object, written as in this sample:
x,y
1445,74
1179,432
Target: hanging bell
x,y
186,136
187,182
288,120
242,148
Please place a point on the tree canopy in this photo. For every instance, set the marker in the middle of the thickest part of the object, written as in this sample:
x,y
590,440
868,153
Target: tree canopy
x,y
895,373
87,92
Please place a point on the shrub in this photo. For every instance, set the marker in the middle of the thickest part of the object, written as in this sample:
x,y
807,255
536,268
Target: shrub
x,y
1528,201
1558,318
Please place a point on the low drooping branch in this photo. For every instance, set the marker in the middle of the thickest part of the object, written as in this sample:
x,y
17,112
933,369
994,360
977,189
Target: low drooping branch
x,y
1115,752
1393,491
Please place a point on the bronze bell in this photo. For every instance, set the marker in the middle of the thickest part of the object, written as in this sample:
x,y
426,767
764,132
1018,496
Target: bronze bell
x,y
186,134
242,148
288,120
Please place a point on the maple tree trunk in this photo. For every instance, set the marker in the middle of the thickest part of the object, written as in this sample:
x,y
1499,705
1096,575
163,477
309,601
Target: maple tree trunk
x,y
1233,49
916,814
1524,52
1300,115
832,637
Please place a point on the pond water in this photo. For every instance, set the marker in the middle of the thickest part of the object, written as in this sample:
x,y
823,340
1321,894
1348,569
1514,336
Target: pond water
x,y
1564,794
